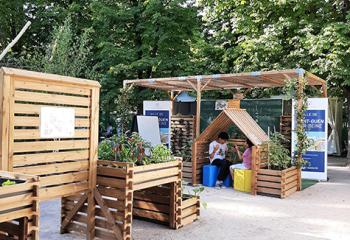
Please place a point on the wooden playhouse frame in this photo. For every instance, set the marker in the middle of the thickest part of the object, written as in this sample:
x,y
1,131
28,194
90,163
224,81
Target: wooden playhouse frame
x,y
248,80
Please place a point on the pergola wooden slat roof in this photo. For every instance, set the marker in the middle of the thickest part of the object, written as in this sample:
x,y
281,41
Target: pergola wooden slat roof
x,y
238,117
248,80
263,79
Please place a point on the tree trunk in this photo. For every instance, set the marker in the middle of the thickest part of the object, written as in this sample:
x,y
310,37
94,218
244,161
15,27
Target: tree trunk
x,y
347,95
138,37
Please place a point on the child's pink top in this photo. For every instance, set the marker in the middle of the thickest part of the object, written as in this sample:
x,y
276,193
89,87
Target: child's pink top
x,y
247,158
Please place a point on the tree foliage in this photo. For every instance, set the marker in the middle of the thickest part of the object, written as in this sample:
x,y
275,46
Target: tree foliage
x,y
131,39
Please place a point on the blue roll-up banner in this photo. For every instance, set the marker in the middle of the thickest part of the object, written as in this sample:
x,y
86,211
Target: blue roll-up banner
x,y
316,126
161,109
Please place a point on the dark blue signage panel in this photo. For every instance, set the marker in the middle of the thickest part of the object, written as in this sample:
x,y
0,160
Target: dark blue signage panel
x,y
316,161
163,117
314,120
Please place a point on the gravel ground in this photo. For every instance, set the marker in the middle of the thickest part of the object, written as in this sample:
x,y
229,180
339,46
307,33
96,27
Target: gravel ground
x,y
317,213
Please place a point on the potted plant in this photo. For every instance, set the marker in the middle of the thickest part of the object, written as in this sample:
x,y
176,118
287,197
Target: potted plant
x,y
280,176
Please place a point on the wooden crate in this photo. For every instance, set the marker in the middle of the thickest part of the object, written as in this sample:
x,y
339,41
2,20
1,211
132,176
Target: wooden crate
x,y
277,183
190,209
154,204
158,204
19,207
113,198
66,165
272,182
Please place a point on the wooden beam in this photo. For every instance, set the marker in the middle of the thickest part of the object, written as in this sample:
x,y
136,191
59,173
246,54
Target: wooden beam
x,y
324,90
192,85
198,110
72,213
110,219
206,84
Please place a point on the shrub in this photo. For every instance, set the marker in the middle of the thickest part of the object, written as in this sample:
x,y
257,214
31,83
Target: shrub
x,y
279,156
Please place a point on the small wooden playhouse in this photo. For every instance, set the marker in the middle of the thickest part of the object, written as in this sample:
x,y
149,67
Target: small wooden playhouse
x,y
228,117
264,181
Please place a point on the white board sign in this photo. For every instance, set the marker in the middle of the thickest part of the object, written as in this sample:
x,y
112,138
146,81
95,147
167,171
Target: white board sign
x,y
316,126
57,122
162,110
148,127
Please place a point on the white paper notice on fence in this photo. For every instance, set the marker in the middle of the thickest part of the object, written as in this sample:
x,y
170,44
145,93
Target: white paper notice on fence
x,y
57,122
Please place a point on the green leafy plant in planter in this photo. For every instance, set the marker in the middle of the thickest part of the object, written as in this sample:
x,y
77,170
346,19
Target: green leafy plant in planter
x,y
159,154
279,156
8,182
133,149
106,150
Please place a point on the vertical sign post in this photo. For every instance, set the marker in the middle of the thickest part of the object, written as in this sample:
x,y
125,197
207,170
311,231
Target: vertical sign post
x,y
316,125
161,109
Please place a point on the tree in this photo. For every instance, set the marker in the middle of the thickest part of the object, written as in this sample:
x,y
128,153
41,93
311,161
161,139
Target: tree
x,y
265,35
141,39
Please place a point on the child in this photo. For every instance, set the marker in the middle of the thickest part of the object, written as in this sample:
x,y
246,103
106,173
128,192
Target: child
x,y
217,154
246,157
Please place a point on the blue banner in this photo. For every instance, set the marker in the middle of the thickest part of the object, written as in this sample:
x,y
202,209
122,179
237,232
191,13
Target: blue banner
x,y
163,117
314,120
316,161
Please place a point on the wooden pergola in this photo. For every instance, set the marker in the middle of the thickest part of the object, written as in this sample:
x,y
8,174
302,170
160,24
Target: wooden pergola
x,y
248,80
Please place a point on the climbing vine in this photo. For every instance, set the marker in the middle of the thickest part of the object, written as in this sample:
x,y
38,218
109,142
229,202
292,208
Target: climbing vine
x,y
295,88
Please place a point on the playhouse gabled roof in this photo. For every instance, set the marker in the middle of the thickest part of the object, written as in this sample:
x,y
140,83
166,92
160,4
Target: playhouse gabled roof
x,y
238,117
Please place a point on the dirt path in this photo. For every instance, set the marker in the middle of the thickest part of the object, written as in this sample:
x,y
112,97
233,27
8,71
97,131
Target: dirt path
x,y
319,212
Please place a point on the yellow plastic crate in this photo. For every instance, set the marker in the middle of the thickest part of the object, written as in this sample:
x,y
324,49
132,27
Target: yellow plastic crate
x,y
243,180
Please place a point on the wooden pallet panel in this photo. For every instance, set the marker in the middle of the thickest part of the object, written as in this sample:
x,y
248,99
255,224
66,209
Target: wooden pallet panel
x,y
62,162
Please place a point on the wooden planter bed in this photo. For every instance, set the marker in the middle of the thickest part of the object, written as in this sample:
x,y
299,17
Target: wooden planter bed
x,y
277,183
19,207
117,182
154,204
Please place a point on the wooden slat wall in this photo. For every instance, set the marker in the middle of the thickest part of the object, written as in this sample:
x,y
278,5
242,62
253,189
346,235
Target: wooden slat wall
x,y
63,164
182,136
286,130
156,174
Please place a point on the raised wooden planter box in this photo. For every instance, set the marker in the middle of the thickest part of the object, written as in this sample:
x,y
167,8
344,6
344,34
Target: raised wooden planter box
x,y
277,183
117,182
19,207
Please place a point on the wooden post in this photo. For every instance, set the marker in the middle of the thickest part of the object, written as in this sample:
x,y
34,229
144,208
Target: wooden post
x,y
23,228
36,208
300,121
5,84
324,90
198,110
255,168
95,95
